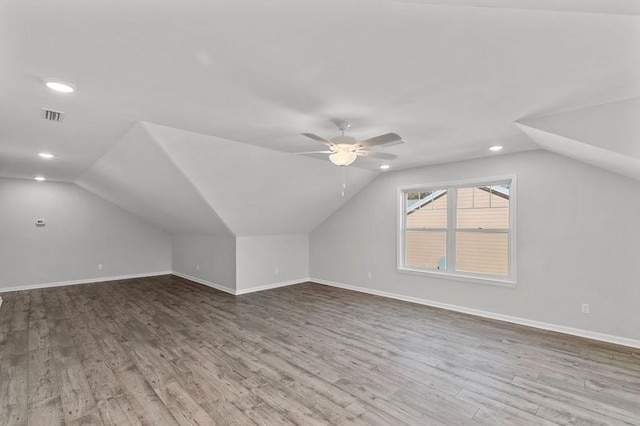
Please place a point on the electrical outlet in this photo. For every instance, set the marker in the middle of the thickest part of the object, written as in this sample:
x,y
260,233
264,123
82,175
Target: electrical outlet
x,y
585,308
99,266
277,271
198,267
369,275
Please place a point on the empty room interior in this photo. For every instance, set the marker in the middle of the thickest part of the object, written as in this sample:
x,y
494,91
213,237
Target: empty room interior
x,y
279,212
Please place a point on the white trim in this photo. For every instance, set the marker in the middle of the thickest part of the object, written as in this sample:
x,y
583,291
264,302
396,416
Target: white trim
x,y
492,180
204,282
458,277
624,341
242,291
83,281
513,229
451,231
452,227
270,286
476,312
155,274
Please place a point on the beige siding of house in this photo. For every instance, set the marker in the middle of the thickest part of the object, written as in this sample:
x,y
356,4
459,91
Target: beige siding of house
x,y
479,209
482,253
478,252
424,249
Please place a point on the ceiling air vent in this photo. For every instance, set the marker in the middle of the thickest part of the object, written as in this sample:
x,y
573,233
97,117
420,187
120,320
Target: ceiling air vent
x,y
51,115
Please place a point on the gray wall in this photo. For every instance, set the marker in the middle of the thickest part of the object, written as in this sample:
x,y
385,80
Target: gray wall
x,y
258,257
81,231
578,242
215,255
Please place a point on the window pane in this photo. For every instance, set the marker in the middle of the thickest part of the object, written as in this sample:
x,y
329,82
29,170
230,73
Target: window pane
x,y
483,253
425,249
485,207
426,209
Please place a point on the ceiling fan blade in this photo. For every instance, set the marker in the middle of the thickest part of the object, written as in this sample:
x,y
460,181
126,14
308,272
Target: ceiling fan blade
x,y
379,140
318,139
313,152
378,155
323,157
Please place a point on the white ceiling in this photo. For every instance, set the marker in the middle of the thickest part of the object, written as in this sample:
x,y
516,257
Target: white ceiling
x,y
590,154
612,126
607,135
259,191
614,7
137,175
451,80
186,182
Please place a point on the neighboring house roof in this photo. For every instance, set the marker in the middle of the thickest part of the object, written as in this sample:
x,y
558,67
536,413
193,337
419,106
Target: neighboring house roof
x,y
416,204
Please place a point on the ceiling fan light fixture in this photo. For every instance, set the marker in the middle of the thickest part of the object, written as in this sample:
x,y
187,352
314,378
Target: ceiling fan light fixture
x,y
343,157
343,150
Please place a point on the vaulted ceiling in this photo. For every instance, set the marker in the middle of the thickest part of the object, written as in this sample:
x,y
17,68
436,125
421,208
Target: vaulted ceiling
x,y
606,135
451,77
192,183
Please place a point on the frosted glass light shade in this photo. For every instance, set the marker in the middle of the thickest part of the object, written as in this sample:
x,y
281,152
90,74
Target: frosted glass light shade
x,y
343,157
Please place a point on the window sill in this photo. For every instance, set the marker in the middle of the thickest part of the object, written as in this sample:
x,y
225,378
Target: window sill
x,y
467,278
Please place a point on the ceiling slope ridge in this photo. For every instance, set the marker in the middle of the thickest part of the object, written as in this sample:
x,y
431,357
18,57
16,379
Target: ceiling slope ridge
x,y
117,205
144,126
589,154
260,190
162,143
624,8
535,117
136,175
101,195
612,126
148,125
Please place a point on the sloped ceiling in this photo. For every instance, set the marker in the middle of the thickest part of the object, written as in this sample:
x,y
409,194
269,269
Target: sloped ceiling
x,y
138,176
258,191
450,77
187,182
244,78
606,135
612,7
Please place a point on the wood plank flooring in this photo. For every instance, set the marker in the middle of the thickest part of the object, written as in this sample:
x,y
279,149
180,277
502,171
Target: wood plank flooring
x,y
165,351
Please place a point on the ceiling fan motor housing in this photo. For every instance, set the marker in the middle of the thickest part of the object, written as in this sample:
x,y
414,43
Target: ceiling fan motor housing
x,y
343,140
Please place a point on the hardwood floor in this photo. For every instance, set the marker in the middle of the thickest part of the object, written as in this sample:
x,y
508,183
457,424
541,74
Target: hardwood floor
x,y
164,351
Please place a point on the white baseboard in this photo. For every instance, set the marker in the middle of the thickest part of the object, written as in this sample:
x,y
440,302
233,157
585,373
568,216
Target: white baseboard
x,y
624,341
484,314
270,286
242,291
83,281
153,274
204,282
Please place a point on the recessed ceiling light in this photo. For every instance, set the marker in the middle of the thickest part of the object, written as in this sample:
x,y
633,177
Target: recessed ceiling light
x,y
39,178
384,166
59,87
46,155
496,148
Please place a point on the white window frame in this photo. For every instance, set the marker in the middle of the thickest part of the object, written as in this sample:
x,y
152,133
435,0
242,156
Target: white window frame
x,y
450,271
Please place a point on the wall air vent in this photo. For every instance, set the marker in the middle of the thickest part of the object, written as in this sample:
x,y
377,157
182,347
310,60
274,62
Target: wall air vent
x,y
51,115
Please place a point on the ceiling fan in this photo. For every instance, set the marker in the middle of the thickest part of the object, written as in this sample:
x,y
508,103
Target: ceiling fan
x,y
343,150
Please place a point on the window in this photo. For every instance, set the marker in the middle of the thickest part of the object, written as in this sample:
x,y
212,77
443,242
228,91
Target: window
x,y
462,229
